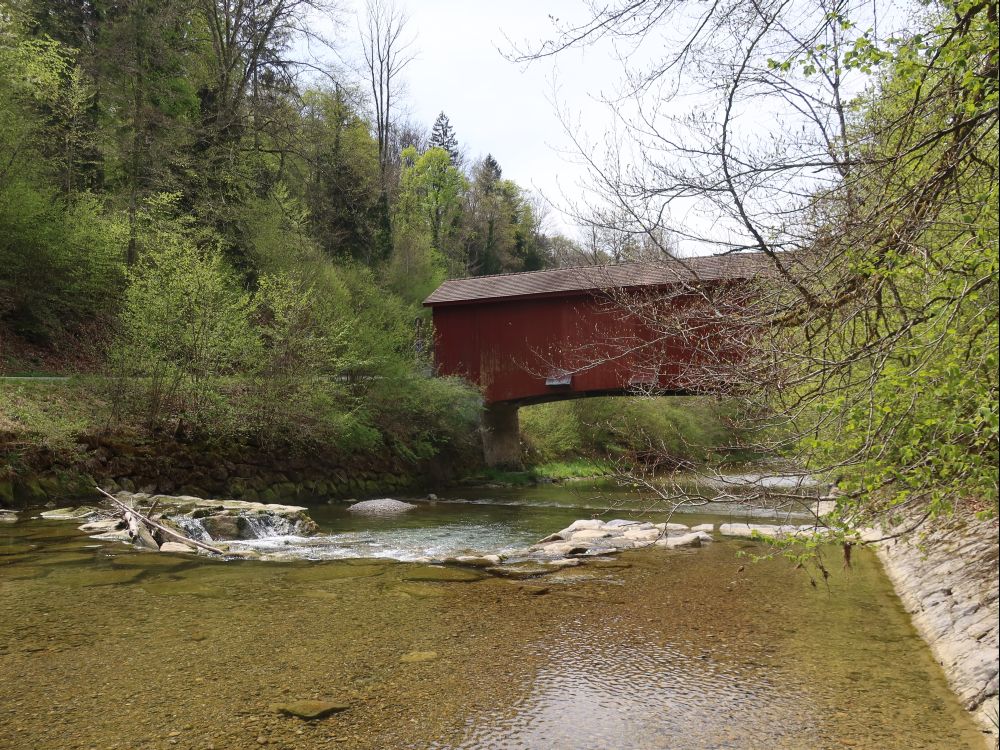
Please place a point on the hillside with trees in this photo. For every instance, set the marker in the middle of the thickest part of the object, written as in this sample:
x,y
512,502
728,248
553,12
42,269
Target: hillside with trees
x,y
234,244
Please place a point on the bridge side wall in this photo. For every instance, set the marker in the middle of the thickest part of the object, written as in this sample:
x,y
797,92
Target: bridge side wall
x,y
511,347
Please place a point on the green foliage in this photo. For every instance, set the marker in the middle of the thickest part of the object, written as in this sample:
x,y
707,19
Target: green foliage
x,y
175,188
430,201
577,468
908,415
674,429
46,416
421,416
61,256
185,323
340,176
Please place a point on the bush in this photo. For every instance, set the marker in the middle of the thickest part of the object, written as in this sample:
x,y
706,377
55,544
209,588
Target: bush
x,y
675,429
185,324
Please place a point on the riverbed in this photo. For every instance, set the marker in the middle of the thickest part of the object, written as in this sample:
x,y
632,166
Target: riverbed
x,y
103,646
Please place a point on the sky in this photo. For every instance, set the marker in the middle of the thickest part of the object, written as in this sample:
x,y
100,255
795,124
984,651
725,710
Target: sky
x,y
497,106
516,112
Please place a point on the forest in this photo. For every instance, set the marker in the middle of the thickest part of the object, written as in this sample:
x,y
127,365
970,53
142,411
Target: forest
x,y
223,244
230,244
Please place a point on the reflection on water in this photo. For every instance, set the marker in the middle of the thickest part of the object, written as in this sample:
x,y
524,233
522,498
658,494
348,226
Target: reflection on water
x,y
645,696
104,646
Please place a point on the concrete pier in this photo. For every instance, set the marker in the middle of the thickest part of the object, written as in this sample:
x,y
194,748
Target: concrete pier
x,y
502,436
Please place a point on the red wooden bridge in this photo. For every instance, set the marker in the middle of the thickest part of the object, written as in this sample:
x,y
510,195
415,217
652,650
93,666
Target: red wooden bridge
x,y
527,338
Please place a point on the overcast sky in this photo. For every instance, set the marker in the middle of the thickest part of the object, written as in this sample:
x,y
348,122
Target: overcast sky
x,y
494,105
513,110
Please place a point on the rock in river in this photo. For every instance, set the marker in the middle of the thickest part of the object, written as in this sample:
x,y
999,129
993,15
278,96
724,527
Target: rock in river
x,y
441,573
309,710
210,520
84,512
177,547
385,506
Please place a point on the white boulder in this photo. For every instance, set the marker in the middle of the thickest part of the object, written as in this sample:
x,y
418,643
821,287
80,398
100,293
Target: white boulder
x,y
590,534
382,507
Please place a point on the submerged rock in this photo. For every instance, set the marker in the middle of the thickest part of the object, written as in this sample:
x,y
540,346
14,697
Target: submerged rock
x,y
522,571
420,590
440,573
83,512
16,549
385,506
112,536
100,527
309,710
590,537
335,571
534,590
562,549
476,561
177,547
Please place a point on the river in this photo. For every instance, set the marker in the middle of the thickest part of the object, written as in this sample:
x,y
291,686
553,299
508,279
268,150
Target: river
x,y
102,646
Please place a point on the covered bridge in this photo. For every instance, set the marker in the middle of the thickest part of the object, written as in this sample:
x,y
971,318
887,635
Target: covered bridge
x,y
539,336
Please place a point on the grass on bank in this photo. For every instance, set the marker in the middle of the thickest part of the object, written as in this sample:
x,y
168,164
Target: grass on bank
x,y
551,471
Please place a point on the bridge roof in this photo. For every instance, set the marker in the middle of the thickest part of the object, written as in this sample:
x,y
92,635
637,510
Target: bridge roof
x,y
573,281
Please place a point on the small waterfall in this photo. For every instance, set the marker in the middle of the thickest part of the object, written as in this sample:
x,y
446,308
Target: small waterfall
x,y
192,527
267,525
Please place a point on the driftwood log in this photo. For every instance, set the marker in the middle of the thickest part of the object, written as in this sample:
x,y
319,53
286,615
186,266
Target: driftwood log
x,y
139,526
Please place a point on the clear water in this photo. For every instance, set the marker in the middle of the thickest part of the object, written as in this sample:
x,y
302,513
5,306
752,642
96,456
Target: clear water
x,y
496,520
103,646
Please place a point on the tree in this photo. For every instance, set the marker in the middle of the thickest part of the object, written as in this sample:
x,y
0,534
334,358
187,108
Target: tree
x,y
141,59
871,340
430,201
443,136
501,226
342,182
60,252
185,322
387,52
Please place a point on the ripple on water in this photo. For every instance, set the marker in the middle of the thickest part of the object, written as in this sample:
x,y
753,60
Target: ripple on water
x,y
646,696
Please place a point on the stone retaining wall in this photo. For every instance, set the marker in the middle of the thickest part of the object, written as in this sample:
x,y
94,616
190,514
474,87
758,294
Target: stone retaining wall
x,y
948,581
236,472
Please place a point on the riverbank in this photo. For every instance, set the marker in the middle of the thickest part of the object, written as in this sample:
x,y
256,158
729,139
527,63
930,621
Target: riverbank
x,y
59,439
949,582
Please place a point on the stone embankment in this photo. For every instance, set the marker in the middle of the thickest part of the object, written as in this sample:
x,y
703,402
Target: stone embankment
x,y
948,580
237,471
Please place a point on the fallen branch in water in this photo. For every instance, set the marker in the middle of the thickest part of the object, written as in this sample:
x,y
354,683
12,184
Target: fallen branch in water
x,y
132,516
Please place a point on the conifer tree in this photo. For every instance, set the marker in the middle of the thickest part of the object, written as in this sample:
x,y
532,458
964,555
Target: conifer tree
x,y
491,170
443,136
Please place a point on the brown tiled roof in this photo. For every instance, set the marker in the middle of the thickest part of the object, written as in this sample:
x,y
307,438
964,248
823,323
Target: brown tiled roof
x,y
591,278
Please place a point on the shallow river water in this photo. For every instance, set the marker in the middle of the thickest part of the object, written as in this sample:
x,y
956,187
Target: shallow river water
x,y
105,647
